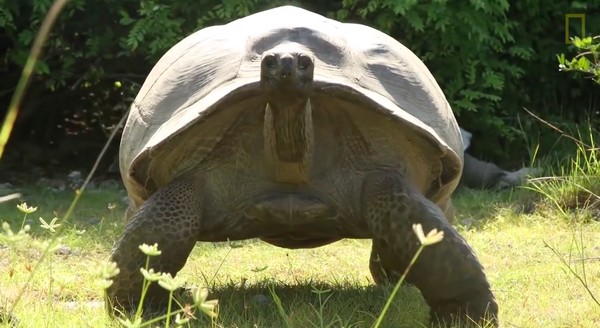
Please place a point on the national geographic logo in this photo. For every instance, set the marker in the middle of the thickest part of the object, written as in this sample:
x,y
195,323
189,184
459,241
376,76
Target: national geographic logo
x,y
578,21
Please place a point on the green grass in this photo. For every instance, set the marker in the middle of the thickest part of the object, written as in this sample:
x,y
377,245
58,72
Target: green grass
x,y
324,287
543,266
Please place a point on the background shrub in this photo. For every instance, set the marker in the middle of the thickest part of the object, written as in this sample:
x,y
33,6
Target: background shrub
x,y
491,58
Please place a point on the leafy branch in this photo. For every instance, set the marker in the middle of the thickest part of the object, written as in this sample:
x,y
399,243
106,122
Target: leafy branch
x,y
587,60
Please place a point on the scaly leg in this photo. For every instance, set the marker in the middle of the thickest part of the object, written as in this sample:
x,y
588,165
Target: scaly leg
x,y
171,218
448,274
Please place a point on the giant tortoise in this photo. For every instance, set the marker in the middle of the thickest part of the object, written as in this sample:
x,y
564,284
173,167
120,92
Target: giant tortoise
x,y
300,131
486,175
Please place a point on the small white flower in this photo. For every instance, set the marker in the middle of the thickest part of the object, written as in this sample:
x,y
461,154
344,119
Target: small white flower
x,y
150,275
433,237
26,209
150,250
169,283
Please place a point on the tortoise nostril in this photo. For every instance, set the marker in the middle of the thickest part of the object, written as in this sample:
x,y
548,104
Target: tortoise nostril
x,y
304,61
270,61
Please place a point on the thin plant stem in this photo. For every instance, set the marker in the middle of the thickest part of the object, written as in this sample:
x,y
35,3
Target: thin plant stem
x,y
34,54
575,274
69,211
160,318
168,319
279,305
397,287
23,222
145,286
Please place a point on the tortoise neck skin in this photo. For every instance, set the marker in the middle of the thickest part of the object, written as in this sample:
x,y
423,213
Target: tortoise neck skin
x,y
287,74
289,141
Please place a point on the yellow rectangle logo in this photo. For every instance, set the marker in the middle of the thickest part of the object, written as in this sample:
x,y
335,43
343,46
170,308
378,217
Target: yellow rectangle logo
x,y
568,17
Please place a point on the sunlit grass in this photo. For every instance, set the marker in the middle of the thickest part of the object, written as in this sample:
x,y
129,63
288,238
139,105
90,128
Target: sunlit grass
x,y
324,287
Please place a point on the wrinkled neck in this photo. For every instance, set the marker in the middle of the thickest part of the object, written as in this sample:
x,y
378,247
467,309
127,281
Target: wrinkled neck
x,y
289,140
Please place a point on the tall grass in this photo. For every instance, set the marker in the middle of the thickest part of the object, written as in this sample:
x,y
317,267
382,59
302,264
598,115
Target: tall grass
x,y
574,192
574,185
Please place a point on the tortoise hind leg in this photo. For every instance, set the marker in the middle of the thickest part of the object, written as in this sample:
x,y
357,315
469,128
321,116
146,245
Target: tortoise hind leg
x,y
448,274
170,218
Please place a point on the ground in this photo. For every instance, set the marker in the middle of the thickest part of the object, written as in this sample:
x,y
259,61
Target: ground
x,y
324,287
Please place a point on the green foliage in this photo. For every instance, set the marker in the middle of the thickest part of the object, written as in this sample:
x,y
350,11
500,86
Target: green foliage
x,y
460,41
491,58
588,59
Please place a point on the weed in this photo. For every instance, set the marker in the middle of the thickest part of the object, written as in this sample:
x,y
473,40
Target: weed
x,y
169,283
104,275
576,186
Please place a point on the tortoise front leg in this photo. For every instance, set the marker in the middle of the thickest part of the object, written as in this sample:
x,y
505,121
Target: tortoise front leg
x,y
170,218
448,274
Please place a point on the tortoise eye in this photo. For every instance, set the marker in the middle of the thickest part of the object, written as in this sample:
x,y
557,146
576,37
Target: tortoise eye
x,y
270,61
304,61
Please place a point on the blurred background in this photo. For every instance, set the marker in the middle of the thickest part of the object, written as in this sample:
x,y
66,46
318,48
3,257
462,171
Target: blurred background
x,y
491,58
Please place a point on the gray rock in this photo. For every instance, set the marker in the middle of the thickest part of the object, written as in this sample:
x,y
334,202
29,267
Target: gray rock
x,y
63,250
75,179
6,188
261,299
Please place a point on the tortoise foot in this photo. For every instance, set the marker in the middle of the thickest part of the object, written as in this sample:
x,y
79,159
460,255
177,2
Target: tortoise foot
x,y
479,312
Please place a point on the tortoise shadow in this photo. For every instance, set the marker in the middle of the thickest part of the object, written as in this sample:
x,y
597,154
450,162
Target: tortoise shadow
x,y
314,304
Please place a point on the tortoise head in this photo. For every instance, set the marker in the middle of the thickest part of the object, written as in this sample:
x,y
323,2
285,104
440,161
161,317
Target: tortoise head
x,y
286,78
286,74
